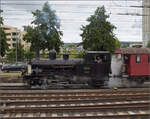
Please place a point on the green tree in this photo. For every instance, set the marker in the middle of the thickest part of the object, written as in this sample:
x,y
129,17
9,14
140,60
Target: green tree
x,y
1,19
117,43
3,43
29,55
98,34
11,54
124,45
46,34
71,46
33,37
20,52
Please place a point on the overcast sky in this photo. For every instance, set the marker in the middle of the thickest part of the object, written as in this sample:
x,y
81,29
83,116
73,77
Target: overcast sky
x,y
73,14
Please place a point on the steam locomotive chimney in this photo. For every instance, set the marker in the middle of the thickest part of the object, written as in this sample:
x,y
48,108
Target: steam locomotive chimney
x,y
65,56
52,54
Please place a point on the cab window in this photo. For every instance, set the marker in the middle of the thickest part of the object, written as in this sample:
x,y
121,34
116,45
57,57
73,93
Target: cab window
x,y
138,59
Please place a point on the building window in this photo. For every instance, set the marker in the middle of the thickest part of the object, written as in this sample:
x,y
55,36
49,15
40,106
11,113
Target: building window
x,y
14,45
14,39
6,28
14,34
8,34
138,59
8,39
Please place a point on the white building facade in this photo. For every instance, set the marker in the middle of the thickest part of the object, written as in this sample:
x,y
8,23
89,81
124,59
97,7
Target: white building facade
x,y
146,22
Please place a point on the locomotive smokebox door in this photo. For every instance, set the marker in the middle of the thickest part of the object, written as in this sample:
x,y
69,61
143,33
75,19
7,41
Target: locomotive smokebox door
x,y
52,54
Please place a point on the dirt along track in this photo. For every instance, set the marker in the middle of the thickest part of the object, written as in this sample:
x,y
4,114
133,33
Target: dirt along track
x,y
75,104
12,81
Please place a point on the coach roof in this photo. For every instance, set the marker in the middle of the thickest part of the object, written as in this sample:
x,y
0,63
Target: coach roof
x,y
95,52
133,51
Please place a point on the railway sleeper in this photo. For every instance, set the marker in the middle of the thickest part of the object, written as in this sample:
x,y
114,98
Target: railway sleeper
x,y
79,115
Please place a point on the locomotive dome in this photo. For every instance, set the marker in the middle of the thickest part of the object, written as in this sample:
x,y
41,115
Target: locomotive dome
x,y
133,51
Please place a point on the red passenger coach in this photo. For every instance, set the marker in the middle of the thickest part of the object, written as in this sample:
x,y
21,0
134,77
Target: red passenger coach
x,y
136,63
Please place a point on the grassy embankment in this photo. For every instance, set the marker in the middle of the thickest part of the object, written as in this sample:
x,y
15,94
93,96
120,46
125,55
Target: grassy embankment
x,y
11,75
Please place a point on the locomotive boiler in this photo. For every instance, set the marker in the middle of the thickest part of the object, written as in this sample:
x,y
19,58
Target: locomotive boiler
x,y
92,70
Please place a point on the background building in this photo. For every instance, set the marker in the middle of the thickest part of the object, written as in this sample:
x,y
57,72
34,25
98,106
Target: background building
x,y
146,21
13,36
24,43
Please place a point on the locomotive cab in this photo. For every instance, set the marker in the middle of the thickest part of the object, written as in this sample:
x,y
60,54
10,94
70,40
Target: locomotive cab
x,y
100,65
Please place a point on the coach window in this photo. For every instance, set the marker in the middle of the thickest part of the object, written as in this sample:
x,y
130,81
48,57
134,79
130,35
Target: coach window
x,y
148,59
138,59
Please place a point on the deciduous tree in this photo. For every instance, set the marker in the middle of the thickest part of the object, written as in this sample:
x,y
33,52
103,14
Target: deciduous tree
x,y
46,34
3,42
98,34
20,52
33,37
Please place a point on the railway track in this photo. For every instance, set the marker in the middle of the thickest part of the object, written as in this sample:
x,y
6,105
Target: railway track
x,y
75,104
24,86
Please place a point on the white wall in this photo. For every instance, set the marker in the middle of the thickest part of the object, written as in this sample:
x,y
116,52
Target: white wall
x,y
146,21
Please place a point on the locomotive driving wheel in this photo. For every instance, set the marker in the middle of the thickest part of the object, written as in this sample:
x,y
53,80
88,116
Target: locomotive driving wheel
x,y
31,82
43,83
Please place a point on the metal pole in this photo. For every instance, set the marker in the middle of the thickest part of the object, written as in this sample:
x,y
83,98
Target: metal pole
x,y
0,31
16,44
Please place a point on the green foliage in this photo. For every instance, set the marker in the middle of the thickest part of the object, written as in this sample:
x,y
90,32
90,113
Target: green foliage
x,y
1,19
73,52
148,44
3,43
124,45
98,34
33,37
46,34
72,49
117,44
20,52
11,54
80,54
77,54
71,46
29,54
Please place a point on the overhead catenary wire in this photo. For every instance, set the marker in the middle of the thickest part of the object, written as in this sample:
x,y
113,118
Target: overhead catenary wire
x,y
112,7
72,4
66,12
74,0
131,14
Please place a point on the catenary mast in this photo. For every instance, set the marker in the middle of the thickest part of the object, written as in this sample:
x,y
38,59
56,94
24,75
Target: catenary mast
x,y
146,22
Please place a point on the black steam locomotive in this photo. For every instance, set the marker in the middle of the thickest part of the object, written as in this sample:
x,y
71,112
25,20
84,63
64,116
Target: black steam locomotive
x,y
90,71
